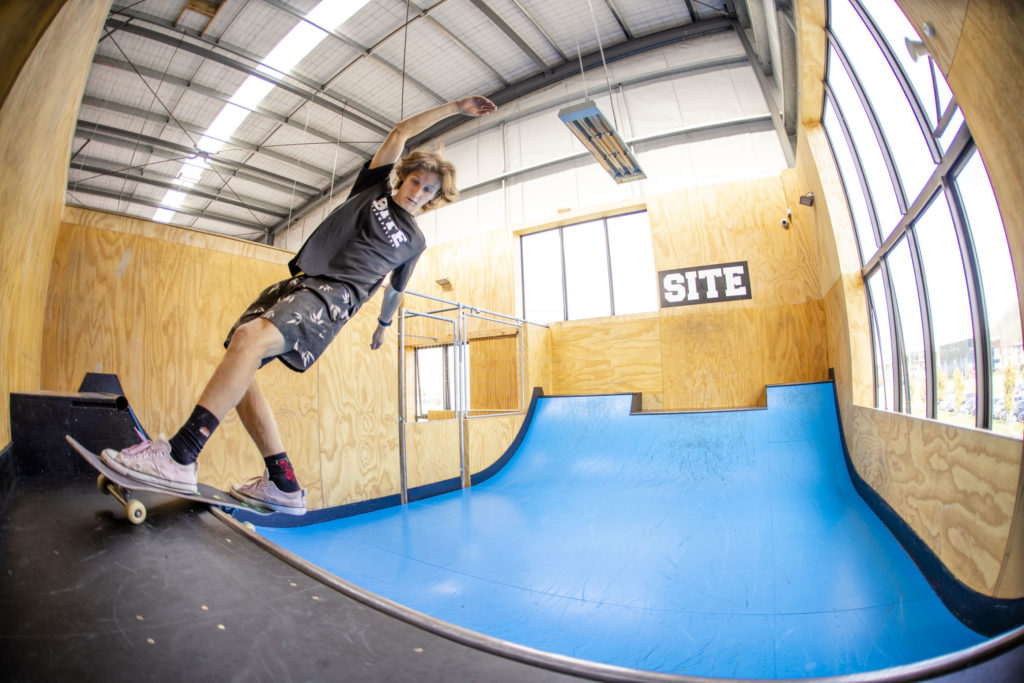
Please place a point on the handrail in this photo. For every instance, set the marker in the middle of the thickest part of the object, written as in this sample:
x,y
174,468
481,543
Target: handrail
x,y
460,340
475,309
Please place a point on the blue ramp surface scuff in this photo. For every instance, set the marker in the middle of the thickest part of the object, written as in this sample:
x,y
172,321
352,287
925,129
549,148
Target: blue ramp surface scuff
x,y
725,544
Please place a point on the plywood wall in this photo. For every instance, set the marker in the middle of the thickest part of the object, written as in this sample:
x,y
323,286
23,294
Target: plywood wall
x,y
718,355
37,120
955,487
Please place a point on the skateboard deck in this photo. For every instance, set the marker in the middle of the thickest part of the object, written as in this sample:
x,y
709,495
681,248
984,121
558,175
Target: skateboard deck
x,y
122,488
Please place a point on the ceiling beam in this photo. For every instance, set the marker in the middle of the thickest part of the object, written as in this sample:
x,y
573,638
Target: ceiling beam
x,y
108,134
364,52
424,14
290,121
540,29
787,142
593,60
519,41
100,167
195,129
137,16
618,18
348,109
117,196
692,10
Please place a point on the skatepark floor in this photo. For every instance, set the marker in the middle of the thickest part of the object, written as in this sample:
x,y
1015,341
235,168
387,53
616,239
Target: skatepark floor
x,y
86,596
714,544
718,544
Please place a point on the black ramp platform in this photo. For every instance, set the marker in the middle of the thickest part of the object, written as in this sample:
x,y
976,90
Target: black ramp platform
x,y
86,596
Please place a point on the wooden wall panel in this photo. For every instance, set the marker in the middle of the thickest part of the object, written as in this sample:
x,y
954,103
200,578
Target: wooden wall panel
x,y
432,452
792,343
479,268
22,24
358,413
126,305
977,44
985,79
955,487
538,359
811,17
606,355
711,361
739,221
488,438
37,121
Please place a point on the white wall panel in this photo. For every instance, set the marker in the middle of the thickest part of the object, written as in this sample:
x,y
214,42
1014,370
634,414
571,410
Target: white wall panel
x,y
653,108
491,209
465,156
706,97
546,192
490,155
595,187
710,47
667,168
543,138
457,220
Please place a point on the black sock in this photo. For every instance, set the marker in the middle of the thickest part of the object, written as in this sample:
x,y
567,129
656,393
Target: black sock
x,y
281,473
190,439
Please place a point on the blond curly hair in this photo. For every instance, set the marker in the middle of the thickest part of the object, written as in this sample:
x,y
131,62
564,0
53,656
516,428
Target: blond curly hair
x,y
430,162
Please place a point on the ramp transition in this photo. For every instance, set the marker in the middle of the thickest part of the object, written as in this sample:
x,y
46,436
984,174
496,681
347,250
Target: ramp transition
x,y
721,544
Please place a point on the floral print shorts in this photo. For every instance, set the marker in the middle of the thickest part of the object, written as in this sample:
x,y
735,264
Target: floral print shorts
x,y
308,311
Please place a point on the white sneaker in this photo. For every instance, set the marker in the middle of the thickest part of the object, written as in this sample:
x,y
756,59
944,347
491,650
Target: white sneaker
x,y
151,462
263,492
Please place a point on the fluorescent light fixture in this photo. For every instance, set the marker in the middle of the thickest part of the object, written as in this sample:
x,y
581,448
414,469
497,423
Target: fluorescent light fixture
x,y
588,124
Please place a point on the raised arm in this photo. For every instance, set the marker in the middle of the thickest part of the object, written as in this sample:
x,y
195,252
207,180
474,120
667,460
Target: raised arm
x,y
391,149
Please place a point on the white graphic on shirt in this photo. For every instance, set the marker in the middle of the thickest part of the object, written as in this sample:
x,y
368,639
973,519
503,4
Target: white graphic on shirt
x,y
383,218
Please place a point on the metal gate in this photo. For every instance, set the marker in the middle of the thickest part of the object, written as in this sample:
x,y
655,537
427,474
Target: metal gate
x,y
456,362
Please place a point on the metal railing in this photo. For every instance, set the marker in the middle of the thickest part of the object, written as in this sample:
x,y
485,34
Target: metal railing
x,y
466,363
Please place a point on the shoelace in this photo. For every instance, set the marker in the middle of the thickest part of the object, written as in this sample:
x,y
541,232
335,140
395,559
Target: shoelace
x,y
256,483
138,449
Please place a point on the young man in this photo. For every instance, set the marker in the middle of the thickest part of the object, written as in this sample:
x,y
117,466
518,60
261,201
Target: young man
x,y
340,266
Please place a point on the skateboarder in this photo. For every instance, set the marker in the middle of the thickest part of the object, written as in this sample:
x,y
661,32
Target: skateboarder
x,y
340,266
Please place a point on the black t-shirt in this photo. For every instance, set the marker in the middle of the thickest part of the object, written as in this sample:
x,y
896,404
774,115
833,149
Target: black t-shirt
x,y
363,240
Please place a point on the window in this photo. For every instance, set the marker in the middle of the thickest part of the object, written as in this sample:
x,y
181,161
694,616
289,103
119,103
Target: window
x,y
945,322
589,270
435,381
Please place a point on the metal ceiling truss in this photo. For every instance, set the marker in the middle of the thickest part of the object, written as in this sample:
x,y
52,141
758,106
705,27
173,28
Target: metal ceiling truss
x,y
742,14
307,91
233,144
168,151
225,97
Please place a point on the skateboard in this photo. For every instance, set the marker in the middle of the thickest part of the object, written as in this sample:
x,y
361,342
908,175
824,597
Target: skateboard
x,y
122,488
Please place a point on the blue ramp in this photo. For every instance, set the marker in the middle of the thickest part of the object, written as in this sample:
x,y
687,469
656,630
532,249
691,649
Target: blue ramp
x,y
724,544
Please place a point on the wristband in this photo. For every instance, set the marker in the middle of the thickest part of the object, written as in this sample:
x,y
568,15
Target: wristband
x,y
382,323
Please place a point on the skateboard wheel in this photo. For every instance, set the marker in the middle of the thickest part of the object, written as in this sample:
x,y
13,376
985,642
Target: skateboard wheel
x,y
135,511
101,484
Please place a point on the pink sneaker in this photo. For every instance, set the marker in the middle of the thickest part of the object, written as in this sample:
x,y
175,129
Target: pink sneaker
x,y
151,462
263,492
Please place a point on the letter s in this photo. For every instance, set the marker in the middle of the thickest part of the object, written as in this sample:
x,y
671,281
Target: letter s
x,y
673,288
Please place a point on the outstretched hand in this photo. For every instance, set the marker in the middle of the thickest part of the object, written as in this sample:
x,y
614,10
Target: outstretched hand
x,y
478,105
378,338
